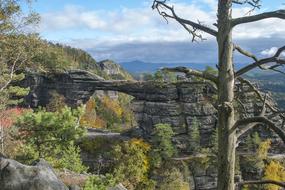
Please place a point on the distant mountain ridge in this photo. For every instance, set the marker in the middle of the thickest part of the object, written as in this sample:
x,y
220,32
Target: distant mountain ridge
x,y
138,66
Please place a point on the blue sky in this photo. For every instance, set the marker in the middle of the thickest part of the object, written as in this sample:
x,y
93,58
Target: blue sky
x,y
126,30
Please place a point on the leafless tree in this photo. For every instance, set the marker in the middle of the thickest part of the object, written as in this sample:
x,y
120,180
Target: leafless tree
x,y
230,129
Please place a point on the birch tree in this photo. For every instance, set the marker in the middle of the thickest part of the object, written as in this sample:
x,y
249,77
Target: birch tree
x,y
230,128
17,49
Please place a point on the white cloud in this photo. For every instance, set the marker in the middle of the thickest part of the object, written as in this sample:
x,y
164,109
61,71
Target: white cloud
x,y
145,25
270,52
71,17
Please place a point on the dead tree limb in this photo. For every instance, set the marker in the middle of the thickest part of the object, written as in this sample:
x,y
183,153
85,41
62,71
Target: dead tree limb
x,y
240,131
245,53
161,6
247,19
259,120
277,59
260,96
261,182
191,72
254,3
243,125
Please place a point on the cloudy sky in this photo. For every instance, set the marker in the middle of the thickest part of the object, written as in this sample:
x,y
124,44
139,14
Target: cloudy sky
x,y
127,30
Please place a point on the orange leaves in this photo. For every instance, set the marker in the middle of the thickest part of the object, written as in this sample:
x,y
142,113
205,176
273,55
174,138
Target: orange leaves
x,y
90,118
8,117
102,113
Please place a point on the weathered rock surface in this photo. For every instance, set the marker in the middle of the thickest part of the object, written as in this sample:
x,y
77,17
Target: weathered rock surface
x,y
16,176
114,70
153,103
177,104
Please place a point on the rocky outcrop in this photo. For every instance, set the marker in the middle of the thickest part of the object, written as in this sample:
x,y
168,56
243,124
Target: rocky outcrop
x,y
153,103
174,103
16,176
114,70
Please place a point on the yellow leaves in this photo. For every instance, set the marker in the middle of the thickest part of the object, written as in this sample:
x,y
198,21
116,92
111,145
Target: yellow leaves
x,y
274,171
144,147
90,119
141,144
113,105
263,149
105,112
90,105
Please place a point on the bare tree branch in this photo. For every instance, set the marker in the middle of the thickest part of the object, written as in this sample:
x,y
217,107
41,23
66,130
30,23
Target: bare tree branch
x,y
242,105
254,3
243,125
261,182
192,72
259,95
275,111
249,126
160,5
247,19
246,53
260,120
274,59
12,72
263,110
195,156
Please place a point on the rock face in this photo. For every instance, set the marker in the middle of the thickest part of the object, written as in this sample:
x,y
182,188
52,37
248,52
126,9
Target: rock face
x,y
177,104
16,176
114,70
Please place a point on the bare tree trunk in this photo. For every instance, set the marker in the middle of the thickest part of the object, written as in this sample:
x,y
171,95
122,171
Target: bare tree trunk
x,y
2,138
227,141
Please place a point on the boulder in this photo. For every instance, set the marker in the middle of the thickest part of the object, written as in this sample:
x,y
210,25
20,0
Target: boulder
x,y
17,176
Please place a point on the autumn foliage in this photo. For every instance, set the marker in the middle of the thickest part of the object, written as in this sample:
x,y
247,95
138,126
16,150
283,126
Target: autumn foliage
x,y
9,146
106,112
274,171
8,117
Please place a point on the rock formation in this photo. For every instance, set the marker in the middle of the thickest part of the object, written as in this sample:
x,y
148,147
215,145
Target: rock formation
x,y
16,176
154,102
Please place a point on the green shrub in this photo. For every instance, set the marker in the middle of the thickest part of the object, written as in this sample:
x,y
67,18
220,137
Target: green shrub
x,y
100,182
51,135
163,148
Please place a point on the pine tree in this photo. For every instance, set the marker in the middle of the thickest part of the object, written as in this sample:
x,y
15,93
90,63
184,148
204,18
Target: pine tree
x,y
163,148
256,139
195,136
48,134
214,141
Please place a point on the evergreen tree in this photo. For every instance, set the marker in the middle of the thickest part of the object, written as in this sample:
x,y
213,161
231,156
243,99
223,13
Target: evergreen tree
x,y
132,165
256,139
214,141
50,135
163,148
195,136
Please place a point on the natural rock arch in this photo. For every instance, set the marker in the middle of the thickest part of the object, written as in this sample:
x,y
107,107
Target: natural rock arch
x,y
154,102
